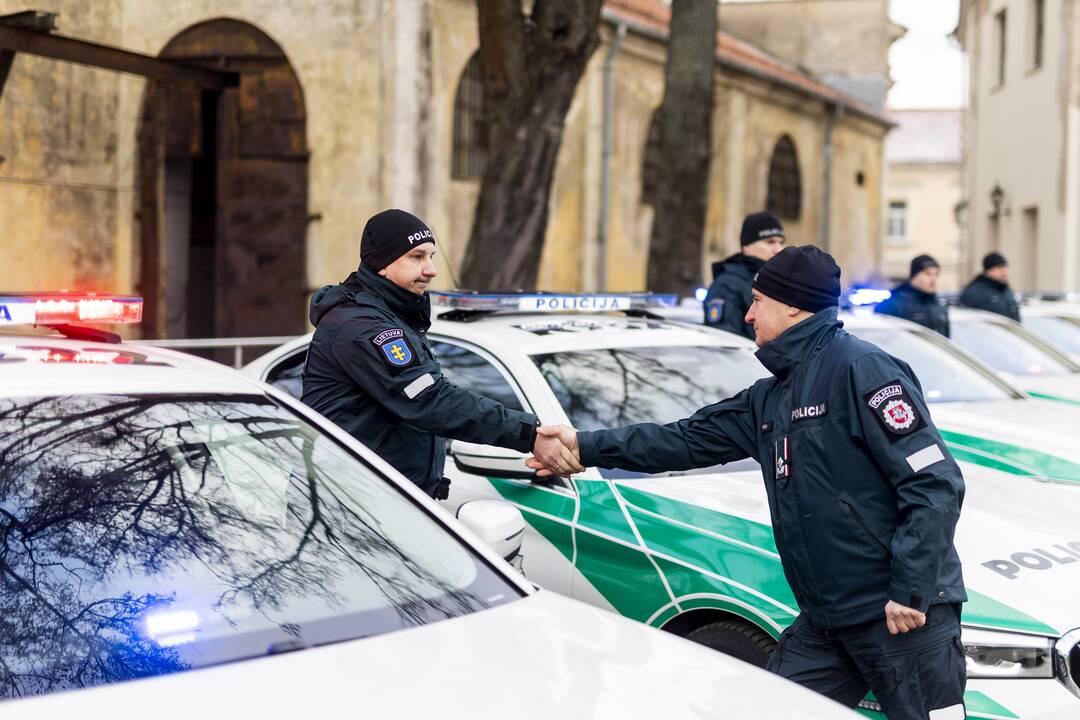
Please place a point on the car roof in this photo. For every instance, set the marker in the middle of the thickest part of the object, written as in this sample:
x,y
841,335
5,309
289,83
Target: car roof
x,y
533,333
1051,308
49,365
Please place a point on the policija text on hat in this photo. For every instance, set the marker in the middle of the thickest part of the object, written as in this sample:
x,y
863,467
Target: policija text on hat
x,y
370,367
863,493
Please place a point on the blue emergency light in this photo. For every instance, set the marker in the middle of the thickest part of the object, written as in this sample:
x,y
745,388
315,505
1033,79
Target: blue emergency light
x,y
868,296
551,302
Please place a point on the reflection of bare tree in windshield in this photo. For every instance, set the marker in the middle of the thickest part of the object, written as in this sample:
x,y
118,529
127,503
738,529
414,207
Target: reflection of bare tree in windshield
x,y
112,507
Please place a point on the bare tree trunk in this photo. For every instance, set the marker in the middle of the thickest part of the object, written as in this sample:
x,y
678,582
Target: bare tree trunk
x,y
531,66
685,141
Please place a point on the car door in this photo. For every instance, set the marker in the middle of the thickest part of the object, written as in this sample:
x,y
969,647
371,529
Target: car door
x,y
549,507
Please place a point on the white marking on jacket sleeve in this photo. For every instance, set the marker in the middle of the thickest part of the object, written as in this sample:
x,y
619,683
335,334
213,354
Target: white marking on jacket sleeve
x,y
953,712
925,458
421,384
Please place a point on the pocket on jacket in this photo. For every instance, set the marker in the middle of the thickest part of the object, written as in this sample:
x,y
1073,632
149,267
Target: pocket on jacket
x,y
852,513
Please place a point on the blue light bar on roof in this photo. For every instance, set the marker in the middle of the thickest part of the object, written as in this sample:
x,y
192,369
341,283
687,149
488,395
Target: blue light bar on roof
x,y
868,296
544,302
62,308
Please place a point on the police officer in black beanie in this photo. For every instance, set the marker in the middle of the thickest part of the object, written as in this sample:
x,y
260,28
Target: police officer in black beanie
x,y
371,370
916,300
990,291
863,493
728,299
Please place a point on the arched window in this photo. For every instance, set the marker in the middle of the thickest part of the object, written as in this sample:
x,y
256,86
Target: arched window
x,y
784,197
650,163
468,157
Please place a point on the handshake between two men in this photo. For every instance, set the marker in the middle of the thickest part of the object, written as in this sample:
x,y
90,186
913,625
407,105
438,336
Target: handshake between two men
x,y
555,451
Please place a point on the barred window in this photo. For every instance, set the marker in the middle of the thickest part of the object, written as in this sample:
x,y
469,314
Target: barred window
x,y
784,197
469,155
650,164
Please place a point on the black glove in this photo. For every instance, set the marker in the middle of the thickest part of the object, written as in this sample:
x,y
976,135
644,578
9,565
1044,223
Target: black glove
x,y
442,490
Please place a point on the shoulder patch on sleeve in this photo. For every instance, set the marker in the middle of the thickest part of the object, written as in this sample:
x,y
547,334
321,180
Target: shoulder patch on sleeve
x,y
714,310
893,408
394,349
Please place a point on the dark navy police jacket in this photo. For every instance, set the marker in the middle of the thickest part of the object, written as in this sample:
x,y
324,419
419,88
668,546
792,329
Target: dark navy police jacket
x,y
863,493
984,293
920,307
371,370
730,294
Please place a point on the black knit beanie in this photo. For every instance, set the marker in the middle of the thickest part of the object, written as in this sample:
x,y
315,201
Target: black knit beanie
x,y
759,226
993,260
920,263
389,235
804,277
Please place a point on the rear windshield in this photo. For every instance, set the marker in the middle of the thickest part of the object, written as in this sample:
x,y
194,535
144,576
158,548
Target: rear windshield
x,y
141,536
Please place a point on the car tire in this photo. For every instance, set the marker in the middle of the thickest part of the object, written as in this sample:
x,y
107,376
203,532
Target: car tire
x,y
736,638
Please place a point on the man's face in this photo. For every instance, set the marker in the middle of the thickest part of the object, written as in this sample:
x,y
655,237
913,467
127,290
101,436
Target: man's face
x,y
926,280
764,249
769,317
414,270
999,273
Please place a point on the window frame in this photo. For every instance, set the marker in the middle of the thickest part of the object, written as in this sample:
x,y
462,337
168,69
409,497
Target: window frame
x,y
468,155
1000,47
904,237
783,185
1036,34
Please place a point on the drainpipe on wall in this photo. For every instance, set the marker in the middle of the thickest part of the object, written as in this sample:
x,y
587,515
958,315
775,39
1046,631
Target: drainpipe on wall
x,y
831,119
605,161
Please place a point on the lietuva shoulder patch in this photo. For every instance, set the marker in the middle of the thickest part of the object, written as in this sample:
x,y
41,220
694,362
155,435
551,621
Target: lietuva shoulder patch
x,y
894,409
394,349
714,309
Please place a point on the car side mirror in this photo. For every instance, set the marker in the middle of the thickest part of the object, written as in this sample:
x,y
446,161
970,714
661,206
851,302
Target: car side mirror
x,y
489,460
499,524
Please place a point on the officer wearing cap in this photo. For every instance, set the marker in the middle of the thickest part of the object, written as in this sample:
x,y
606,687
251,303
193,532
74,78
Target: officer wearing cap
x,y
916,300
863,493
990,291
728,299
371,370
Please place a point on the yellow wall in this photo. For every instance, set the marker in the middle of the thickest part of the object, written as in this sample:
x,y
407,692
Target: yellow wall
x,y
931,192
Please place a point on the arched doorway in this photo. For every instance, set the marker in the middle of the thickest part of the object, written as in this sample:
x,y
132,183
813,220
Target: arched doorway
x,y
222,206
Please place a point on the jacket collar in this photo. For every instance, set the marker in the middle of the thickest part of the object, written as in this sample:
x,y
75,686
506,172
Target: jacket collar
x,y
800,342
910,289
410,307
996,284
747,264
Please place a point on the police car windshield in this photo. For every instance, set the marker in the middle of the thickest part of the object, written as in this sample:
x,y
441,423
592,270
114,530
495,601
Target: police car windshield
x,y
612,387
1061,332
1007,349
945,374
147,535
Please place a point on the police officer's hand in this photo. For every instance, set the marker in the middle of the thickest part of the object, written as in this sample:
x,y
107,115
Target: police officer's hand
x,y
900,618
555,451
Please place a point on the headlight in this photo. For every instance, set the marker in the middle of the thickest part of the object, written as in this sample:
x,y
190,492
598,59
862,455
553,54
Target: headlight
x,y
995,654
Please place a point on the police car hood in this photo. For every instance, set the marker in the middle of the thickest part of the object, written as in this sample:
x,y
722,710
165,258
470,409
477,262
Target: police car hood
x,y
541,657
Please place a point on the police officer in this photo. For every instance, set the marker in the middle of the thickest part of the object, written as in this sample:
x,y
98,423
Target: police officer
x,y
863,493
990,291
917,300
371,370
728,299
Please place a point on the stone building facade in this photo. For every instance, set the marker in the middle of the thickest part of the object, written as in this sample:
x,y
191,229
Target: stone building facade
x,y
346,107
1022,138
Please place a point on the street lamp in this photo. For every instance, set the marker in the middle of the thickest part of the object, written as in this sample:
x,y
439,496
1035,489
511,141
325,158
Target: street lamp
x,y
997,196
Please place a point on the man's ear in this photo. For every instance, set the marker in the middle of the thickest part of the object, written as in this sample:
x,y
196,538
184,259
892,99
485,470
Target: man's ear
x,y
382,273
791,310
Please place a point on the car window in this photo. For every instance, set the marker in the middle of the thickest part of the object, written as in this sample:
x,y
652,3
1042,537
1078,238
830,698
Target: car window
x,y
945,374
472,371
147,535
1062,333
1006,349
288,374
613,387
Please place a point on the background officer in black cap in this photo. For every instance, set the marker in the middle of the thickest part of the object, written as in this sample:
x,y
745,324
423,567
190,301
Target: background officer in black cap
x,y
863,493
728,299
371,370
917,300
990,291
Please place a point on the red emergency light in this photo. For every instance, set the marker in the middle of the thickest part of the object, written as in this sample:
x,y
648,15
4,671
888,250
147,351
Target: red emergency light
x,y
62,308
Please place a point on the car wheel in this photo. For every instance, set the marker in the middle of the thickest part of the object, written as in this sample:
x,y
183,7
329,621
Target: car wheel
x,y
736,638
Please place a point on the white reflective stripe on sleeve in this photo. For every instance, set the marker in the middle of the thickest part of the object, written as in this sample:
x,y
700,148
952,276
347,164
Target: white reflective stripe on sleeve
x,y
419,385
953,712
925,458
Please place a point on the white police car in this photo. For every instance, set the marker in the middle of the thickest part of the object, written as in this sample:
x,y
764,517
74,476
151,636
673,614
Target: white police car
x,y
1019,354
693,552
1055,321
167,520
